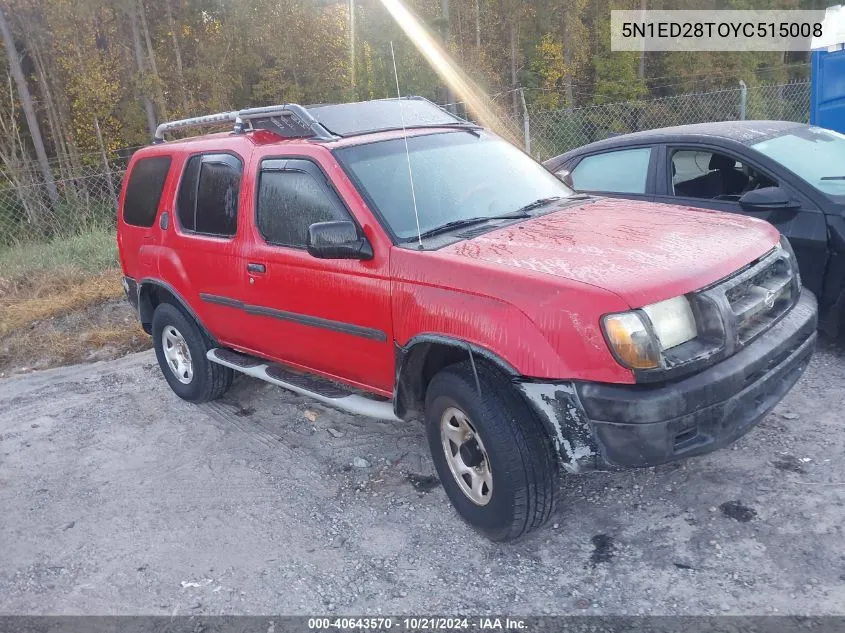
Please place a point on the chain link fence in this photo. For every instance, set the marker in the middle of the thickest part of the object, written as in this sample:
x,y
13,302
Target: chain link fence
x,y
552,132
86,188
83,197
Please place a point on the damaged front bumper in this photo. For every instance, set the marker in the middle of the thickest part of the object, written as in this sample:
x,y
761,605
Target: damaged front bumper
x,y
600,425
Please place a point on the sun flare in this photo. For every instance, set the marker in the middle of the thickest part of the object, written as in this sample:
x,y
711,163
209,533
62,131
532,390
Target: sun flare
x,y
468,91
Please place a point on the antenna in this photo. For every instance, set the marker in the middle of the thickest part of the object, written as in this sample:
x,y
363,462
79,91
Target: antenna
x,y
407,153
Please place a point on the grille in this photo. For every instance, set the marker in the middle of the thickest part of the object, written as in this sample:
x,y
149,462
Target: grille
x,y
732,312
761,295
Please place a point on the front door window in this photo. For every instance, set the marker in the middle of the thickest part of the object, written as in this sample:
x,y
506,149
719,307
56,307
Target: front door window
x,y
709,175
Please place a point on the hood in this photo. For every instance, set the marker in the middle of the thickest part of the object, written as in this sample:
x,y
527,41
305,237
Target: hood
x,y
644,252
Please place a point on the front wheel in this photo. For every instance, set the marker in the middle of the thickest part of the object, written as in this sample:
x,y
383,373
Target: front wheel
x,y
492,454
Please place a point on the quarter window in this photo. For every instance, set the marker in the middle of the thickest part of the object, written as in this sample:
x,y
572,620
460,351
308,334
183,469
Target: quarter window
x,y
624,171
143,191
208,196
289,202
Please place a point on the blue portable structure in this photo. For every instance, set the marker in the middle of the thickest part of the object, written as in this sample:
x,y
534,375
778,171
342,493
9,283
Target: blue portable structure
x,y
827,91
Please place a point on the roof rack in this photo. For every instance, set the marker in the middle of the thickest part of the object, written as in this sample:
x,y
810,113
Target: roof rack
x,y
327,122
289,120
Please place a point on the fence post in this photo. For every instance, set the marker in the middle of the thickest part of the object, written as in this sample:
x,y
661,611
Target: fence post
x,y
743,99
526,124
112,192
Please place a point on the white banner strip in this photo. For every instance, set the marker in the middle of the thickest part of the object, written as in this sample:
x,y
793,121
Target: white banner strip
x,y
776,30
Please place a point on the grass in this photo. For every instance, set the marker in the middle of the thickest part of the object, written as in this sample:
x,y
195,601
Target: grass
x,y
52,294
57,302
89,252
40,348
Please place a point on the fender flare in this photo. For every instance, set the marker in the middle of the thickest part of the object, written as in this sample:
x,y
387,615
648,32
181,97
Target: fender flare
x,y
408,390
145,311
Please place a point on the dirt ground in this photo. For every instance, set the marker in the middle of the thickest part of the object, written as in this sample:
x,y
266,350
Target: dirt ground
x,y
118,498
63,317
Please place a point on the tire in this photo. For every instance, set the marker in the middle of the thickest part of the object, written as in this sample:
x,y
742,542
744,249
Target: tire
x,y
191,376
516,453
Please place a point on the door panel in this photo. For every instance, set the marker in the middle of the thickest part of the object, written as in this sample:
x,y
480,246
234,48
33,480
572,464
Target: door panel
x,y
329,316
204,265
698,171
149,186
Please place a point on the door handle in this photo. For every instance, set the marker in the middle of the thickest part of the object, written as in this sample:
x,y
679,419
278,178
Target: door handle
x,y
252,267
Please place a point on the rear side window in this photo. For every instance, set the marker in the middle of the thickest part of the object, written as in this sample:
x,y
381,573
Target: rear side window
x,y
143,191
291,201
624,171
208,195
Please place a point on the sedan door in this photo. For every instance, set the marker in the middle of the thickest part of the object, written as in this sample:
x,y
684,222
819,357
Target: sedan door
x,y
713,177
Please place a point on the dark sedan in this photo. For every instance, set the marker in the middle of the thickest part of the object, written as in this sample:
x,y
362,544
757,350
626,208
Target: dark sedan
x,y
790,174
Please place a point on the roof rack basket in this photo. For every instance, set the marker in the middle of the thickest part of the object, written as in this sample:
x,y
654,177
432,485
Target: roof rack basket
x,y
289,120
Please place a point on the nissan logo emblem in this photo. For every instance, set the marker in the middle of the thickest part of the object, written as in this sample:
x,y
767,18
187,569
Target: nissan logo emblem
x,y
770,300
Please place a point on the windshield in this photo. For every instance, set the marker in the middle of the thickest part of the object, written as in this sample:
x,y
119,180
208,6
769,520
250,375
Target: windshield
x,y
815,154
457,176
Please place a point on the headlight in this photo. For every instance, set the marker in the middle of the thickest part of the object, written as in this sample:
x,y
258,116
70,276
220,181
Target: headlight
x,y
637,338
785,245
630,341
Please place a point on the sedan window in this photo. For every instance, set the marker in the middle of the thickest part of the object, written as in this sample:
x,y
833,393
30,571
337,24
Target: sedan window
x,y
713,175
623,171
815,154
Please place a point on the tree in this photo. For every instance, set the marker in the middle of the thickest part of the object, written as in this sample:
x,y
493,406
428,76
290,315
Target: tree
x,y
28,108
122,65
132,11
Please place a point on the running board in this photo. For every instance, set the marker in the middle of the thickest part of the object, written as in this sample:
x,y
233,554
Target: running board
x,y
320,389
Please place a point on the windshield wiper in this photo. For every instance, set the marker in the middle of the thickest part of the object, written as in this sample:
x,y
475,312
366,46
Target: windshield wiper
x,y
832,178
540,202
459,224
521,212
454,224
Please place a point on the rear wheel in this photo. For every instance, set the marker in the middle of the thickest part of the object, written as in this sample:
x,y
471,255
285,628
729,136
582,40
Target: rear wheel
x,y
181,349
493,456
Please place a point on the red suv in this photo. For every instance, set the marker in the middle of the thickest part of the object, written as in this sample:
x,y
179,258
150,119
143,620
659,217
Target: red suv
x,y
389,259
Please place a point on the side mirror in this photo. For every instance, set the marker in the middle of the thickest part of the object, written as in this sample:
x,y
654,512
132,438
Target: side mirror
x,y
337,240
565,177
767,198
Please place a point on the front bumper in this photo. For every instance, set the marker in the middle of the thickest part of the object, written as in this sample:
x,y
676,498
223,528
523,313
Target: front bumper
x,y
597,425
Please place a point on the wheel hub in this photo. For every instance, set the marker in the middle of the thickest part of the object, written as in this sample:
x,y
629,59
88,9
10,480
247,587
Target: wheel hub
x,y
177,354
471,454
466,456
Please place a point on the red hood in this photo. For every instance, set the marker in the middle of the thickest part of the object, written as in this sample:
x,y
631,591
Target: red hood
x,y
644,252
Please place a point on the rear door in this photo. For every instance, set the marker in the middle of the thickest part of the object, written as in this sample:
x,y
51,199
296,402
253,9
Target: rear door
x,y
329,316
201,253
713,177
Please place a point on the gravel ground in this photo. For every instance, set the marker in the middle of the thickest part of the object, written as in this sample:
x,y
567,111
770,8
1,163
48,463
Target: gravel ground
x,y
118,498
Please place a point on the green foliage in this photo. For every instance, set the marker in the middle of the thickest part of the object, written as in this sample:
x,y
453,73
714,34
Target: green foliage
x,y
549,67
212,55
92,251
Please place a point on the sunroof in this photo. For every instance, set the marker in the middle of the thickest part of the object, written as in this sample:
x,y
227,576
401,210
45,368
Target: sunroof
x,y
346,119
